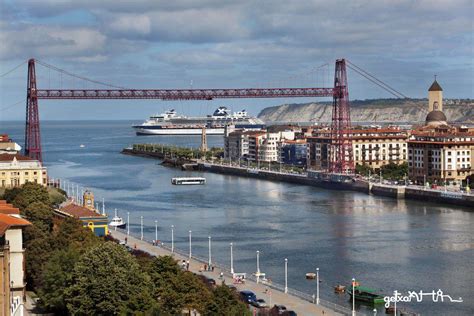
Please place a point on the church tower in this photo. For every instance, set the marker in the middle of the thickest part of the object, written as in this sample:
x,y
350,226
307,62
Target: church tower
x,y
88,200
435,97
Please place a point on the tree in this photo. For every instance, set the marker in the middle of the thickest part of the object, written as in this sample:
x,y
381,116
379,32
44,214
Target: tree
x,y
56,277
105,281
395,172
225,302
40,214
363,169
30,193
38,250
71,233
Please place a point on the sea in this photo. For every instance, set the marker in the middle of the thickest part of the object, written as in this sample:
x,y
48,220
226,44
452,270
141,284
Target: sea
x,y
383,243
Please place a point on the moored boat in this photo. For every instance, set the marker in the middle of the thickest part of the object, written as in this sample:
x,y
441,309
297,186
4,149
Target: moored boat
x,y
188,181
365,294
117,222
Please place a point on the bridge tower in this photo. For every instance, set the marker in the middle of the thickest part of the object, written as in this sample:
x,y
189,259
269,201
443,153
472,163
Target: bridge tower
x,y
32,127
341,157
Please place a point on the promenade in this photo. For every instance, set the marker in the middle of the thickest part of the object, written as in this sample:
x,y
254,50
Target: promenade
x,y
272,296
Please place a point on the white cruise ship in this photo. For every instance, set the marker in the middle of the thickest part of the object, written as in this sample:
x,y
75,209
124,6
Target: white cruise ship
x,y
170,123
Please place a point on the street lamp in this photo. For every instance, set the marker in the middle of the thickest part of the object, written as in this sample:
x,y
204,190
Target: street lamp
x,y
210,254
156,232
172,238
286,275
317,286
231,259
375,312
353,297
141,227
128,223
190,252
258,262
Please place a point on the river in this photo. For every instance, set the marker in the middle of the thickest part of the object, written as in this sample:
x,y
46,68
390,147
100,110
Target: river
x,y
384,243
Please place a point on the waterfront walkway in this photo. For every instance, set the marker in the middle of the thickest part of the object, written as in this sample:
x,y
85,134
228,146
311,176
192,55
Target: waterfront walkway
x,y
295,302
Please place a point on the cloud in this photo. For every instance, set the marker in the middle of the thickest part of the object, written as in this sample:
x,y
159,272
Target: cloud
x,y
50,41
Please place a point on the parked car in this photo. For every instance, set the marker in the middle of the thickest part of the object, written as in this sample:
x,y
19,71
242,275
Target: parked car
x,y
248,296
259,303
278,310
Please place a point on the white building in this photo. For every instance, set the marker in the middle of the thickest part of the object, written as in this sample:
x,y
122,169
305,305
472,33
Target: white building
x,y
16,170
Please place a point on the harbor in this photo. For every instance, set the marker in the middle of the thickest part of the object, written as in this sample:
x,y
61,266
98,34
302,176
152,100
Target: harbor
x,y
328,229
312,178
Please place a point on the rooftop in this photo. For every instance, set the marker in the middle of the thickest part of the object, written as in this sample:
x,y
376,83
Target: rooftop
x,y
78,211
10,157
435,86
8,221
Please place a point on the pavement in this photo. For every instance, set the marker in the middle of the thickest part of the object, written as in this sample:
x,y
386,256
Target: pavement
x,y
270,295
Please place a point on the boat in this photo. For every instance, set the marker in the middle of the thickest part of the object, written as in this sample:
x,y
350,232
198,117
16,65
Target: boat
x,y
117,222
82,146
365,294
339,288
172,123
188,181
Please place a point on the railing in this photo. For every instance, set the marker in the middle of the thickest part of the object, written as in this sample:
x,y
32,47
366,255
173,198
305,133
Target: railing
x,y
226,271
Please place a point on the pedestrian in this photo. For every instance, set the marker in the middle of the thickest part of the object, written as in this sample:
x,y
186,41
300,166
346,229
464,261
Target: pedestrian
x,y
205,267
212,269
153,242
126,240
187,265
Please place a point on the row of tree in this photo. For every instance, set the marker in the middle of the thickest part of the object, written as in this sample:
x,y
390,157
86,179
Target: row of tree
x,y
75,272
389,171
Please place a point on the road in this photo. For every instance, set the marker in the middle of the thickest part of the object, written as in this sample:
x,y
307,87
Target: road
x,y
271,296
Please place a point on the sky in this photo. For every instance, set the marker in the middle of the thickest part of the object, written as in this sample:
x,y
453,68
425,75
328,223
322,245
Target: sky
x,y
229,44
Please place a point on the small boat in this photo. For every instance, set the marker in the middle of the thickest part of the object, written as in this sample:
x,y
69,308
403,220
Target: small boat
x,y
310,276
82,145
365,294
117,222
339,288
188,181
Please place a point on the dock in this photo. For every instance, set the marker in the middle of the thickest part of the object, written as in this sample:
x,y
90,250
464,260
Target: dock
x,y
299,302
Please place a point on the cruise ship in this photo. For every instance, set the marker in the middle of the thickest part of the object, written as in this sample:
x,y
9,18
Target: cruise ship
x,y
171,123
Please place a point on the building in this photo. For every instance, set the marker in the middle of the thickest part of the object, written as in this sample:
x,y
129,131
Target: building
x,y
8,146
255,139
236,144
16,170
90,216
12,259
439,152
293,152
374,147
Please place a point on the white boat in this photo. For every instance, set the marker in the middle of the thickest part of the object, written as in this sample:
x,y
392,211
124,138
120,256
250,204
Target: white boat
x,y
170,123
188,181
82,146
117,221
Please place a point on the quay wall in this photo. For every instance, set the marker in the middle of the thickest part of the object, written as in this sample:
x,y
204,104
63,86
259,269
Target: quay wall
x,y
393,191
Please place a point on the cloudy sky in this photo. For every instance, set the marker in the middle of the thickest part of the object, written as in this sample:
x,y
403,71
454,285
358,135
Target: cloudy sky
x,y
230,44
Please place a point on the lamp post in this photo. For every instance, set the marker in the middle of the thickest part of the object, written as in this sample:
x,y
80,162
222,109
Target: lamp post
x,y
128,223
258,266
141,227
156,232
375,312
231,259
286,275
190,252
172,238
353,297
317,286
210,254
395,293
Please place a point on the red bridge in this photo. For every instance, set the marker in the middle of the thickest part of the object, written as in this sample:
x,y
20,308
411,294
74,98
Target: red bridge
x,y
341,157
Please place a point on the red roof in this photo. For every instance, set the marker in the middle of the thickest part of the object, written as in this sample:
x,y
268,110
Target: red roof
x,y
8,221
9,157
79,211
6,208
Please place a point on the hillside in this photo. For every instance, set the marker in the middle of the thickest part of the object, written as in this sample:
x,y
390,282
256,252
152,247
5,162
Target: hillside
x,y
377,111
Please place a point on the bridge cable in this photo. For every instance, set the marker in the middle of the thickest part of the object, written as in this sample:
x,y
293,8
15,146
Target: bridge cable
x,y
78,76
12,105
12,70
376,81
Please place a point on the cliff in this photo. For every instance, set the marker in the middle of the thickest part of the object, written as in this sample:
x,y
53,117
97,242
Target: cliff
x,y
375,111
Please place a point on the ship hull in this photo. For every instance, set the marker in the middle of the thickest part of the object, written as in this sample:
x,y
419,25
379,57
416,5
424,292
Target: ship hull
x,y
177,131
